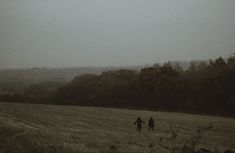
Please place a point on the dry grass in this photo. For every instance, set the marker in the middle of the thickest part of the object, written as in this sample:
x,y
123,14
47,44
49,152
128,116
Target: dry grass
x,y
27,128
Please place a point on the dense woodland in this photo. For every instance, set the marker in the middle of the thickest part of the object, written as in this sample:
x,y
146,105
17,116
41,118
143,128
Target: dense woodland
x,y
205,87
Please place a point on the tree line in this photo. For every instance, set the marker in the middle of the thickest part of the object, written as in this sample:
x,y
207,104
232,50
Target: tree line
x,y
206,87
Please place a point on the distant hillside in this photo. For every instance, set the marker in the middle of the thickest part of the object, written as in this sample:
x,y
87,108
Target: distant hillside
x,y
18,79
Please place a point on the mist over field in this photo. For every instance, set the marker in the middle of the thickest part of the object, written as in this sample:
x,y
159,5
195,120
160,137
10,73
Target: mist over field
x,y
117,76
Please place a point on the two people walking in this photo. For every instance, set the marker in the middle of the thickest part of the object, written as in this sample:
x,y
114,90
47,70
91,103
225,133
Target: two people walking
x,y
139,123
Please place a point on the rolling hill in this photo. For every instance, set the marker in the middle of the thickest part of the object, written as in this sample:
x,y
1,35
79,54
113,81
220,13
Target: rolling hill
x,y
30,128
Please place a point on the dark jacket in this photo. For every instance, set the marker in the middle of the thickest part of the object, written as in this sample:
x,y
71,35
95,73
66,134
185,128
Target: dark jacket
x,y
139,122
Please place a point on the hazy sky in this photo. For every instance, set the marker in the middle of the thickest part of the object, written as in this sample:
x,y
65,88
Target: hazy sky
x,y
55,33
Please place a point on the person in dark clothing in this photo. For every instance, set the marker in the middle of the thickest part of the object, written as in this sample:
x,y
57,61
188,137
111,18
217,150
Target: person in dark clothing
x,y
151,123
139,122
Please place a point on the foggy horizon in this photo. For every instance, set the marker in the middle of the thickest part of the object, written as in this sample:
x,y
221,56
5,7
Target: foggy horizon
x,y
112,33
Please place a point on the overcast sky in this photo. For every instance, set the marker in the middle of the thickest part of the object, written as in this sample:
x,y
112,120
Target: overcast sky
x,y
63,33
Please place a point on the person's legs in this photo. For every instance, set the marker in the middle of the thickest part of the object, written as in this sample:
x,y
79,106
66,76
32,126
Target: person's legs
x,y
139,129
